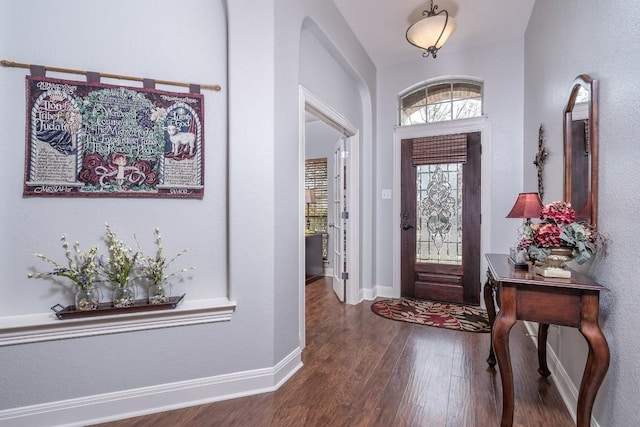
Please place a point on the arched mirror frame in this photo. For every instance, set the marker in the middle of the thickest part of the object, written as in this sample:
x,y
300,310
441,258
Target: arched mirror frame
x,y
589,211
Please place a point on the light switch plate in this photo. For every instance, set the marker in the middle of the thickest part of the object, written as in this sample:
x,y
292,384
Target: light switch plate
x,y
386,194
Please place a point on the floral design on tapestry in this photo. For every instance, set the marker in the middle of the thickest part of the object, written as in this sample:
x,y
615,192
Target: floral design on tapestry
x,y
93,139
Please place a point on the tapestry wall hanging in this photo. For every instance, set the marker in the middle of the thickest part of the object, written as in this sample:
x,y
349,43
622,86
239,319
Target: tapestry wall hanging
x,y
97,140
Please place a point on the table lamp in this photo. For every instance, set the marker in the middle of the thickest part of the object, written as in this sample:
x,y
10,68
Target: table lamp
x,y
527,205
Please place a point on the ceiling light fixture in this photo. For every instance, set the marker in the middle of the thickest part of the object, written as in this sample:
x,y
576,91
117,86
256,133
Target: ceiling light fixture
x,y
432,31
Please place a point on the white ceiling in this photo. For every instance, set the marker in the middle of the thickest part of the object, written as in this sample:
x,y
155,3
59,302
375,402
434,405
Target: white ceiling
x,y
380,25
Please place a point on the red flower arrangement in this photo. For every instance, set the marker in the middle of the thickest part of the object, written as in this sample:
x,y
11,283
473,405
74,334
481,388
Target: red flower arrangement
x,y
559,229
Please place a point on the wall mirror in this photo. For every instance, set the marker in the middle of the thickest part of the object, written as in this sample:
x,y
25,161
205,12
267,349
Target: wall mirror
x,y
581,149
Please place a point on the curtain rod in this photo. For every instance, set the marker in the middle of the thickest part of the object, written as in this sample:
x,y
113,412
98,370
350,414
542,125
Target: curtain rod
x,y
112,76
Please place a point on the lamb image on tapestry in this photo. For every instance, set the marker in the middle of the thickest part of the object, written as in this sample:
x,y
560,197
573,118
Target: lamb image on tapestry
x,y
93,139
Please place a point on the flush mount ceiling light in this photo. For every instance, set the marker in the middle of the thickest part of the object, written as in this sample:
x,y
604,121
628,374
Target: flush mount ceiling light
x,y
432,31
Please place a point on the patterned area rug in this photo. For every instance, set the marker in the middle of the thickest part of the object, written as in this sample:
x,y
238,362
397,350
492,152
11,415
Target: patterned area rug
x,y
434,313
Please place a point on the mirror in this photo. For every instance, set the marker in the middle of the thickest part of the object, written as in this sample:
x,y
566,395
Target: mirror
x,y
581,149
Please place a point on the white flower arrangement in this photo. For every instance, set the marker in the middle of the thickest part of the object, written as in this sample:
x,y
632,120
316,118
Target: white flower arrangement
x,y
121,268
81,269
154,268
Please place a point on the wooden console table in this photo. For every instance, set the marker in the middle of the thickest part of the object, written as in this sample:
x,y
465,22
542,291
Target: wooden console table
x,y
523,295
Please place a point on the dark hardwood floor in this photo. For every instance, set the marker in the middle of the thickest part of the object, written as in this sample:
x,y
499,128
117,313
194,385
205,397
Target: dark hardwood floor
x,y
363,370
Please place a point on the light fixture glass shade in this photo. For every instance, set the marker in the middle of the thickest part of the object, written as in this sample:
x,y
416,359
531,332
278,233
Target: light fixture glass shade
x,y
528,205
425,32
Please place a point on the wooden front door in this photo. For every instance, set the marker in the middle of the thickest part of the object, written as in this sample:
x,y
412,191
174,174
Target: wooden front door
x,y
440,218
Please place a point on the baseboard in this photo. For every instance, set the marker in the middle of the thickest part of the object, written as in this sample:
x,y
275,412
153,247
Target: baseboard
x,y
567,389
147,400
384,292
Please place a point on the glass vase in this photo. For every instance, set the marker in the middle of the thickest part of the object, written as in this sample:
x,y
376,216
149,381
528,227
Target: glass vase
x,y
159,293
87,298
124,296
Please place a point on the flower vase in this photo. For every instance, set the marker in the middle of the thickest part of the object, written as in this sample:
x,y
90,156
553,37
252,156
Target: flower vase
x,y
554,265
87,298
124,296
159,293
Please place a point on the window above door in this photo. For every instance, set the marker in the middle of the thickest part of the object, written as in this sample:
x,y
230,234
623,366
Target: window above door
x,y
439,101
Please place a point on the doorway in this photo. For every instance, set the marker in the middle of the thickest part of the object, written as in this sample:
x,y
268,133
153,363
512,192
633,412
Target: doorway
x,y
479,124
345,246
440,210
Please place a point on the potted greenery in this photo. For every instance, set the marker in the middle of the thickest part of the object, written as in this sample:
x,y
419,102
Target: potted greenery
x,y
81,269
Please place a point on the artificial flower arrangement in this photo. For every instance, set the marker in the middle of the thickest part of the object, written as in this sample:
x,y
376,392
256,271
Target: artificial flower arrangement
x,y
154,269
558,228
81,269
119,270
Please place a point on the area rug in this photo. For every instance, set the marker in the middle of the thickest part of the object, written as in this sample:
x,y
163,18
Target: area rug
x,y
433,313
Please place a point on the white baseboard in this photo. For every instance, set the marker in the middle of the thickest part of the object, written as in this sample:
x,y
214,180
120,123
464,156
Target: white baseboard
x,y
148,400
567,389
384,291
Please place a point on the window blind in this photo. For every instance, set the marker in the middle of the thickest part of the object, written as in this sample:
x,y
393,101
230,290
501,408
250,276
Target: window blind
x,y
440,149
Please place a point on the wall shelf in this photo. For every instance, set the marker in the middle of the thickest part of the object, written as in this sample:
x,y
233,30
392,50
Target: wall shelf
x,y
39,327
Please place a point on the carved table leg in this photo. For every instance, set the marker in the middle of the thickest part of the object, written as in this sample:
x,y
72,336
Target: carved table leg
x,y
489,291
543,369
501,328
597,360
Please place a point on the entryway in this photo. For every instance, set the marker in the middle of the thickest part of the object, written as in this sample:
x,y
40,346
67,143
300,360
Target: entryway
x,y
344,248
440,211
414,273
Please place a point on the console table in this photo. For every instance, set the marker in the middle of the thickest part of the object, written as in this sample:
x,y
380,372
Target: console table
x,y
523,295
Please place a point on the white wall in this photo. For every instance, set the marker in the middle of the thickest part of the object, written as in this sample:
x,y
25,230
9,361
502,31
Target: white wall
x,y
565,39
35,224
250,258
73,35
500,67
327,26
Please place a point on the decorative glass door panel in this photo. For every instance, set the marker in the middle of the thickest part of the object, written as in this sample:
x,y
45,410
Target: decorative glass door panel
x,y
439,213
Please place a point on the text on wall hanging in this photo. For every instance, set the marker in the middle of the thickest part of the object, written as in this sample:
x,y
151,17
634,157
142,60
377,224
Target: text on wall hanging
x,y
97,140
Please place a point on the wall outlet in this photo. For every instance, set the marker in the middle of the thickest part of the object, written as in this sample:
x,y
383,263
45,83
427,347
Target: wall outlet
x,y
386,194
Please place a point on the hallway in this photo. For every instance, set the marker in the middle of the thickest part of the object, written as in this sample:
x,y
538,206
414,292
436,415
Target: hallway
x,y
363,370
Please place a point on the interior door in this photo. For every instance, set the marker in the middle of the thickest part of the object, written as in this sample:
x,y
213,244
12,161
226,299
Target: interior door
x,y
440,218
340,217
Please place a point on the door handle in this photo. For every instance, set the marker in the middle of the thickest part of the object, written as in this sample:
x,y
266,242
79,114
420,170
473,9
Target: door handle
x,y
407,226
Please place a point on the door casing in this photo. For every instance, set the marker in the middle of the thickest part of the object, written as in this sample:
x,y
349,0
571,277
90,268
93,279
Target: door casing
x,y
309,102
433,280
478,124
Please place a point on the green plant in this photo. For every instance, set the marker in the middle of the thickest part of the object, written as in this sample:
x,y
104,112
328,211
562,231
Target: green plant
x,y
120,267
154,268
82,267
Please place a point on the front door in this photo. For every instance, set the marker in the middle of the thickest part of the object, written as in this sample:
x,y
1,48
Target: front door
x,y
440,218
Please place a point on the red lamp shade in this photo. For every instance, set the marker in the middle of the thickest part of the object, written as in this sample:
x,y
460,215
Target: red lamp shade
x,y
528,205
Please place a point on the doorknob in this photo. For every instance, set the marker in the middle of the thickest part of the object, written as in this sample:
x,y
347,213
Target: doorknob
x,y
407,226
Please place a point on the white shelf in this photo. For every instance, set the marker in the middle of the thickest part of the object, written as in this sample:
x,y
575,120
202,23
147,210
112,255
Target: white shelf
x,y
41,327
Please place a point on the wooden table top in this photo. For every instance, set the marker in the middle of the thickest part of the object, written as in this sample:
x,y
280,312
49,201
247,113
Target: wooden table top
x,y
502,271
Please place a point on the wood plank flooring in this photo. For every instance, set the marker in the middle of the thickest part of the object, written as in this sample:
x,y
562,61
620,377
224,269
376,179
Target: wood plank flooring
x,y
363,370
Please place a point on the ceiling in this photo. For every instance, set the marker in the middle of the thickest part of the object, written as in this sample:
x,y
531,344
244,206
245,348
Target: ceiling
x,y
380,25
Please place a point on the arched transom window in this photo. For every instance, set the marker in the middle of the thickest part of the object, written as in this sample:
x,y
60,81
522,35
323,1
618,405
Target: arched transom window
x,y
441,101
